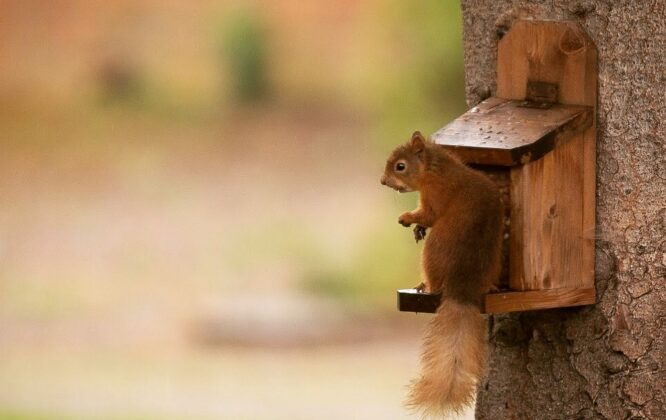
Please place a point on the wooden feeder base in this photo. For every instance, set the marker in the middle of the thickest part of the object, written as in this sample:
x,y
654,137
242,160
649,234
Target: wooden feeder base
x,y
411,300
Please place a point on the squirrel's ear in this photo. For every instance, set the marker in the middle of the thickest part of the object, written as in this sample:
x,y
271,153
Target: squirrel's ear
x,y
418,142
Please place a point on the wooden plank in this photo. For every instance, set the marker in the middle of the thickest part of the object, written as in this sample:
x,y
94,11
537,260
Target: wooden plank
x,y
553,197
589,169
547,208
579,86
518,261
538,299
503,132
409,300
567,216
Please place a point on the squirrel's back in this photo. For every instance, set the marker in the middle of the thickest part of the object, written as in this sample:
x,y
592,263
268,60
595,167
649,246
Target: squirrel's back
x,y
461,253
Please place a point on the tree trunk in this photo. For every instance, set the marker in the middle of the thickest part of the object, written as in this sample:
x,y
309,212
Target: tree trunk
x,y
607,360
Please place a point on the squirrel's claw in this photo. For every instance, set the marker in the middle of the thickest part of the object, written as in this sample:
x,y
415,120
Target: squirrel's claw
x,y
493,288
419,233
420,288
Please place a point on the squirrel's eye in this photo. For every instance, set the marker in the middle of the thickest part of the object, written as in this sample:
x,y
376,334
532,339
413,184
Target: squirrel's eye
x,y
400,166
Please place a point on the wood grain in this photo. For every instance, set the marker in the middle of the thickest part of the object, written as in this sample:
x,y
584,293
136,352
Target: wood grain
x,y
409,300
503,132
538,299
552,197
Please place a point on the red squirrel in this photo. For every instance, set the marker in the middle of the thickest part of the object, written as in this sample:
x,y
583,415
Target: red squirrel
x,y
460,259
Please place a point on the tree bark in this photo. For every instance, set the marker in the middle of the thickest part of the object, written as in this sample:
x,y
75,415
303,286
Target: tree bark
x,y
607,360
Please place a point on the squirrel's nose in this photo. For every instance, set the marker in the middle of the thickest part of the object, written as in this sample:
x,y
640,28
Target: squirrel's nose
x,y
383,180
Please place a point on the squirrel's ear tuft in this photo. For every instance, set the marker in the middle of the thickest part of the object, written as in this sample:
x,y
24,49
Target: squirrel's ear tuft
x,y
418,142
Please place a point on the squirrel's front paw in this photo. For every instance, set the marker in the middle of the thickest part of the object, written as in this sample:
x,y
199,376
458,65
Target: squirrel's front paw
x,y
419,232
405,219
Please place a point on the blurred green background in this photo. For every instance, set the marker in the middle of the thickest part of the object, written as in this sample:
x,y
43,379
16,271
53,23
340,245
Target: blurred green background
x,y
191,223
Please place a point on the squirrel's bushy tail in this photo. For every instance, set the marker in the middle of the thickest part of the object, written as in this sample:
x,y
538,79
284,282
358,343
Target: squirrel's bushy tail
x,y
453,361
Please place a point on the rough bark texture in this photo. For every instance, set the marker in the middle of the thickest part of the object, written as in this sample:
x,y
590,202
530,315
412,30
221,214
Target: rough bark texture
x,y
608,360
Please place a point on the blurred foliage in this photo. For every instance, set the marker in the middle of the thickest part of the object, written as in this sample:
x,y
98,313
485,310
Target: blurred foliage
x,y
244,49
402,72
30,415
382,265
120,82
137,193
16,415
423,88
275,241
386,260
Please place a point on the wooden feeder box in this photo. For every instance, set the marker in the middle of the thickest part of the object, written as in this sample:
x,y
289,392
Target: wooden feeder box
x,y
536,138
